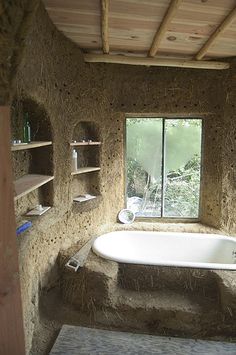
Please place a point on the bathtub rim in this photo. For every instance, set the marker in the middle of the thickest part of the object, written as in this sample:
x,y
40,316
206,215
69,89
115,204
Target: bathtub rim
x,y
182,264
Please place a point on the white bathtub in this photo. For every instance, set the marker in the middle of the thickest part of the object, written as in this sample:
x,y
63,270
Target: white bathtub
x,y
194,250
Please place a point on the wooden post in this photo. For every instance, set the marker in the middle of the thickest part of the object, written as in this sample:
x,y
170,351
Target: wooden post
x,y
11,322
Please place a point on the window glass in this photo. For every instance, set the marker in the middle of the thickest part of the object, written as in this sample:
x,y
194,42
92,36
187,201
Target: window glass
x,y
182,167
163,164
144,165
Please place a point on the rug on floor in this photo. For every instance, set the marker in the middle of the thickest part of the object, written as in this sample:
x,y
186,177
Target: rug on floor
x,y
74,340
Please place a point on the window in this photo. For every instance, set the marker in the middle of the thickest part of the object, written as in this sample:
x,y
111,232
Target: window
x,y
163,166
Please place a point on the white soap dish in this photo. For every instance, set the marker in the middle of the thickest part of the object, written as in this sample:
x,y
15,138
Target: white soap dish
x,y
38,210
83,198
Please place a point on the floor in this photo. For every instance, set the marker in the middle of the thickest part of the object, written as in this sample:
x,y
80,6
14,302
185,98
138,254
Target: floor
x,y
76,340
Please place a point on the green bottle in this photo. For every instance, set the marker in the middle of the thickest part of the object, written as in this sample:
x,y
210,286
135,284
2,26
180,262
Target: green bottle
x,y
26,129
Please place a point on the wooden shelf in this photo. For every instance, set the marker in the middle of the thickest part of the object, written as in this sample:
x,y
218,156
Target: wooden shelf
x,y
84,143
23,146
84,170
28,183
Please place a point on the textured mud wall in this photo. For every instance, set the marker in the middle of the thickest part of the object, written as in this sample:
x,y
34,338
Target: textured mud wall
x,y
228,201
53,75
15,20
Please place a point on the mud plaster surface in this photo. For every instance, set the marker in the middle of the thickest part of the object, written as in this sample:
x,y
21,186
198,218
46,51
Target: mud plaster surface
x,y
192,303
52,74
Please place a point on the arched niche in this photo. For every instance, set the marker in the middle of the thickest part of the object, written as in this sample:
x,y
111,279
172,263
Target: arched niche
x,y
87,142
32,161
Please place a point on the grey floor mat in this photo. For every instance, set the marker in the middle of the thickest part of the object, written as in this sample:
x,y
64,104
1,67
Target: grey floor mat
x,y
87,341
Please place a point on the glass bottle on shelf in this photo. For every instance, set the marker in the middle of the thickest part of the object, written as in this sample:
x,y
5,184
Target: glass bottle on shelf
x,y
26,129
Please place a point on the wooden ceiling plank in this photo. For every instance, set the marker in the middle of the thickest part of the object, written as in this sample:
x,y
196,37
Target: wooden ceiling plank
x,y
133,24
222,27
105,25
163,62
163,27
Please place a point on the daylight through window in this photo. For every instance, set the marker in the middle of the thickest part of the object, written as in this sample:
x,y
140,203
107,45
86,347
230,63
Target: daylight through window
x,y
163,166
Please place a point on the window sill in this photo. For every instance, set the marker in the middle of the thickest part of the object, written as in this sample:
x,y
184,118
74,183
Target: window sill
x,y
165,226
167,220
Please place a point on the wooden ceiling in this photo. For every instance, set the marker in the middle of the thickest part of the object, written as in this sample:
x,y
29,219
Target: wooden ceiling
x,y
149,31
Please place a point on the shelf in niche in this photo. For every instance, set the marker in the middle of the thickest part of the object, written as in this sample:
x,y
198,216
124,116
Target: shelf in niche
x,y
87,205
85,170
23,146
77,144
29,183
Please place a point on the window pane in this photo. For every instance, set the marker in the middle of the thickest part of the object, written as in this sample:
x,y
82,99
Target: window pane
x,y
143,165
182,167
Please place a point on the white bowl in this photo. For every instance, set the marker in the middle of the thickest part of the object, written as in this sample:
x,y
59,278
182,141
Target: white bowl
x,y
126,216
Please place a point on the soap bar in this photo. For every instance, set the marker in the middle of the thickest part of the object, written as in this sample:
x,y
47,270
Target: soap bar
x,y
23,227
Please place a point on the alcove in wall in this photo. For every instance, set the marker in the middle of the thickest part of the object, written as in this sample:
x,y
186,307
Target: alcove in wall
x,y
32,162
86,179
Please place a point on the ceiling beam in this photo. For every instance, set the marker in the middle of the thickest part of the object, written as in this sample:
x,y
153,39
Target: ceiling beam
x,y
105,26
212,39
174,4
160,62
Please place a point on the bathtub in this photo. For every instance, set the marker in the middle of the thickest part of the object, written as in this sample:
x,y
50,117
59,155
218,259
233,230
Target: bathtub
x,y
191,250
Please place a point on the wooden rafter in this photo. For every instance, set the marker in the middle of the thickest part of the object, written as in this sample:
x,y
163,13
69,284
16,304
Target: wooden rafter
x,y
222,27
161,62
174,4
104,25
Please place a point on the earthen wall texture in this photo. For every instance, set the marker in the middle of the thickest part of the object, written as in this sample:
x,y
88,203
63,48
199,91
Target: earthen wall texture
x,y
51,72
